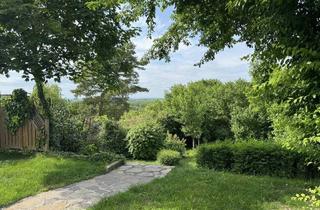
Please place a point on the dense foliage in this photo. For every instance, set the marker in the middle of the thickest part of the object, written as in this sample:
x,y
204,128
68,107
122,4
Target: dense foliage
x,y
107,157
102,83
205,111
112,138
66,128
90,43
145,141
173,142
204,107
250,123
46,40
168,157
285,37
259,158
151,113
18,109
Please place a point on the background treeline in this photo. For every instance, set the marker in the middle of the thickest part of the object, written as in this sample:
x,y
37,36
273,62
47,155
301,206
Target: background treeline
x,y
206,111
199,112
203,111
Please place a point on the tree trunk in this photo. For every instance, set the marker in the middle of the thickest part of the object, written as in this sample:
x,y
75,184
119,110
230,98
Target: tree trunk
x,y
43,101
46,107
101,104
193,143
198,142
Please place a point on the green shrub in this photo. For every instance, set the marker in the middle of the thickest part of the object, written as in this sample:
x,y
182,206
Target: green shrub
x,y
172,125
106,157
66,130
145,141
215,156
112,138
263,158
173,142
104,135
92,130
248,123
257,158
89,149
169,157
18,109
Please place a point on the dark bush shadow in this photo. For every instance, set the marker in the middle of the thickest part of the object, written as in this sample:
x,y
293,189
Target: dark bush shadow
x,y
15,155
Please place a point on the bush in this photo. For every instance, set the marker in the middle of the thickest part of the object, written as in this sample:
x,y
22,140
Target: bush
x,y
247,123
145,141
89,149
257,158
67,131
106,157
18,109
216,156
92,129
112,138
173,142
172,125
169,157
104,135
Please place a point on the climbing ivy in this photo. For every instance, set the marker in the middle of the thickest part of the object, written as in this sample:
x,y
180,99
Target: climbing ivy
x,y
18,109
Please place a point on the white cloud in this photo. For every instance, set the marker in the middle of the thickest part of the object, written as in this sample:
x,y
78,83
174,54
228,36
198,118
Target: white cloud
x,y
15,81
160,76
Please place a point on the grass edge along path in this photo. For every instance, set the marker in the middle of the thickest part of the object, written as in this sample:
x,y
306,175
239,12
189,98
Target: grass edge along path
x,y
188,187
25,175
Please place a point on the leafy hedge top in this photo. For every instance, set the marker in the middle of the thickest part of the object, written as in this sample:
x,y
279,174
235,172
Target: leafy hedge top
x,y
259,158
169,157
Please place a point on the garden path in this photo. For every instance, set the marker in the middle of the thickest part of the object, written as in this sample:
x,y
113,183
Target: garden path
x,y
87,193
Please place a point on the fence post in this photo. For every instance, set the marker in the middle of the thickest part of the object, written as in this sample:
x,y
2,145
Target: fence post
x,y
47,130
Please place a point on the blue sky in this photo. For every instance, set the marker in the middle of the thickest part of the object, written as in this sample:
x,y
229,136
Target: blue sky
x,y
159,76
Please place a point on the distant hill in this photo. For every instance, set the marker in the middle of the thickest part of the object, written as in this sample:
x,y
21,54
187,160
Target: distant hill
x,y
136,104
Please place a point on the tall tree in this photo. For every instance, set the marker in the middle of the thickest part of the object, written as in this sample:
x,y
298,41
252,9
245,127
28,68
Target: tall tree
x,y
48,39
285,37
114,78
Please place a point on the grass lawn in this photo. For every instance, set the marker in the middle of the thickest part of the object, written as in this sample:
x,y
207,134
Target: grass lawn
x,y
25,175
188,187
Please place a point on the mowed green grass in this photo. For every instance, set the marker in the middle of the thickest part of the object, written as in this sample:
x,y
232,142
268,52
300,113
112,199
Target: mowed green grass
x,y
25,175
188,187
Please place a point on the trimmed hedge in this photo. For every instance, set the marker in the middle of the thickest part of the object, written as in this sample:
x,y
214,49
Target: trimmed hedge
x,y
169,157
257,158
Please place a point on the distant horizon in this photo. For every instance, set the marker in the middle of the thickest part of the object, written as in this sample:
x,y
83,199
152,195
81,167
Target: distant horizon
x,y
135,96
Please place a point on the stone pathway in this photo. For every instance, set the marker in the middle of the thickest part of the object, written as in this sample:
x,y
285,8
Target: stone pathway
x,y
86,193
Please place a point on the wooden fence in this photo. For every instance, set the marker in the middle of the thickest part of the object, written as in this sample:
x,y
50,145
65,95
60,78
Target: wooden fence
x,y
26,137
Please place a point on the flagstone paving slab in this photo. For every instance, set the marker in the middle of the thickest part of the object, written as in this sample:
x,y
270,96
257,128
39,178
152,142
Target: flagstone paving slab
x,y
84,194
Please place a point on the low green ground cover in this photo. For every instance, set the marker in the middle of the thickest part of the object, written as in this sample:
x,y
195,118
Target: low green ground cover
x,y
189,187
25,175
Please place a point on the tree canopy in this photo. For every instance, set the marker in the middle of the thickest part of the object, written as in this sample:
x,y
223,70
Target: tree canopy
x,y
49,39
285,38
116,76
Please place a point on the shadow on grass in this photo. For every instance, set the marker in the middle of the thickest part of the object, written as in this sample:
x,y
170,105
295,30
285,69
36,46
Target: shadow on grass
x,y
71,171
12,156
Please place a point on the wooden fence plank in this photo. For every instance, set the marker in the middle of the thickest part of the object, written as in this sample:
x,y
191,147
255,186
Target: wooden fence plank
x,y
25,137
